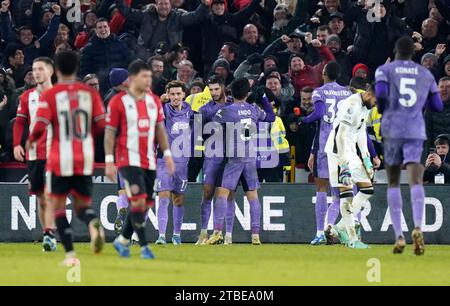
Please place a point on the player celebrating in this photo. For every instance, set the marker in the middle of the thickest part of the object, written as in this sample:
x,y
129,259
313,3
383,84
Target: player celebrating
x,y
345,165
240,166
211,164
75,113
37,153
178,115
135,118
403,88
326,100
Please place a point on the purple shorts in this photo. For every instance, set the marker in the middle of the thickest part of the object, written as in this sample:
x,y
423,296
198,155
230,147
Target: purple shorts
x,y
232,172
120,182
402,151
211,168
321,166
176,183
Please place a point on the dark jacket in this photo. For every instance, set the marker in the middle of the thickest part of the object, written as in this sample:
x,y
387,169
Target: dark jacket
x,y
437,123
432,171
176,21
220,29
31,52
245,49
101,55
344,61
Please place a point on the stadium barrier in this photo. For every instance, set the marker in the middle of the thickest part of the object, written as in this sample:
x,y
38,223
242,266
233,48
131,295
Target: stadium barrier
x,y
287,215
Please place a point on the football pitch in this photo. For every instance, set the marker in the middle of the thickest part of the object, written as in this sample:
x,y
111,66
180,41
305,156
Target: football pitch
x,y
238,264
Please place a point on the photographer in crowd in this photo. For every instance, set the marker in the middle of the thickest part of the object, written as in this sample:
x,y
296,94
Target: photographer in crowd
x,y
437,165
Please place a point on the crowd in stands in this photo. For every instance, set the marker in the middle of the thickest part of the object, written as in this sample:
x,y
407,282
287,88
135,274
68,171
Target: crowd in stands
x,y
281,46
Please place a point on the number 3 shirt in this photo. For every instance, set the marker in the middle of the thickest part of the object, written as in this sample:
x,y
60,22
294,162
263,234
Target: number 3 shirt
x,y
74,111
329,94
409,85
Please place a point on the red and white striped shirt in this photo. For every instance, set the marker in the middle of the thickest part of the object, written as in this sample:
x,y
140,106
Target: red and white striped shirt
x,y
75,111
135,123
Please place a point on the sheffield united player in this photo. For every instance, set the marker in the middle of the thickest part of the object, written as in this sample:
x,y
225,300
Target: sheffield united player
x,y
178,115
403,89
75,112
241,165
37,153
135,120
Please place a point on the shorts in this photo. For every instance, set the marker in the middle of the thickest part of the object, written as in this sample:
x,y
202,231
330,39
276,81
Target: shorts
x,y
176,183
211,168
120,182
402,151
233,172
320,169
359,173
139,183
36,176
79,186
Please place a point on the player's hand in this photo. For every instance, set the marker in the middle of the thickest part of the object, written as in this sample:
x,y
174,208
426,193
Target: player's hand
x,y
376,162
311,162
345,176
170,165
19,153
369,167
4,6
111,172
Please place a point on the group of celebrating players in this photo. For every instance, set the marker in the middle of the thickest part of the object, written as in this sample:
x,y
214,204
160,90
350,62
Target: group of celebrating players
x,y
142,140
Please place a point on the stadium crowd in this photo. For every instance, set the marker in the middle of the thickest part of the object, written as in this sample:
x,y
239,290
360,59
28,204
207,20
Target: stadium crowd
x,y
280,46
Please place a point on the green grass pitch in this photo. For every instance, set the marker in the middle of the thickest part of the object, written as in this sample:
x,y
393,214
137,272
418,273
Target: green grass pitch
x,y
239,264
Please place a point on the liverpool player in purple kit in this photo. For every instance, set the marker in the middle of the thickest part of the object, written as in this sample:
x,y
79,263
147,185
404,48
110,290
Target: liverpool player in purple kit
x,y
211,164
177,121
326,100
240,165
403,89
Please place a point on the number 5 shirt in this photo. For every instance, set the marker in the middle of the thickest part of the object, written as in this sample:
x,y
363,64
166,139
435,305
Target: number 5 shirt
x,y
75,112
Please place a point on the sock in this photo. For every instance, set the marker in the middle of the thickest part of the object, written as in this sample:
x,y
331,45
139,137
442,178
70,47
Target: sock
x,y
122,202
229,219
163,215
333,209
395,202
255,215
348,218
359,202
220,207
418,204
127,230
321,210
138,221
86,214
64,230
178,214
206,213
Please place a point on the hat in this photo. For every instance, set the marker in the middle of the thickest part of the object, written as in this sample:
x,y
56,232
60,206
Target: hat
x,y
221,62
429,56
117,76
334,38
360,66
337,15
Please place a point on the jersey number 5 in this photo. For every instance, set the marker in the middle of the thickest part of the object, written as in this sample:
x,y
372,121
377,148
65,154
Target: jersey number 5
x,y
406,90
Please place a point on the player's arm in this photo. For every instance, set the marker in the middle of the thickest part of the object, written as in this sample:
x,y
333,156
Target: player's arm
x,y
364,149
162,139
113,118
381,90
319,108
269,115
18,129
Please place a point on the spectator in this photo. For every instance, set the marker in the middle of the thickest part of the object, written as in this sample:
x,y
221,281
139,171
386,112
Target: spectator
x,y
439,123
118,79
438,161
337,27
62,38
284,23
162,23
8,105
322,34
429,61
342,58
186,73
230,52
32,47
159,82
14,63
222,26
251,42
221,68
284,103
303,75
92,80
360,71
28,79
84,33
197,87
93,59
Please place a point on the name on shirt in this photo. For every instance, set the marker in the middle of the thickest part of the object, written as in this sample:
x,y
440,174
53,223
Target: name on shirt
x,y
407,70
336,92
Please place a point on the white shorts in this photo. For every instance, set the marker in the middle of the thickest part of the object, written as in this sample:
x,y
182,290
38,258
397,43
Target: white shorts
x,y
359,173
